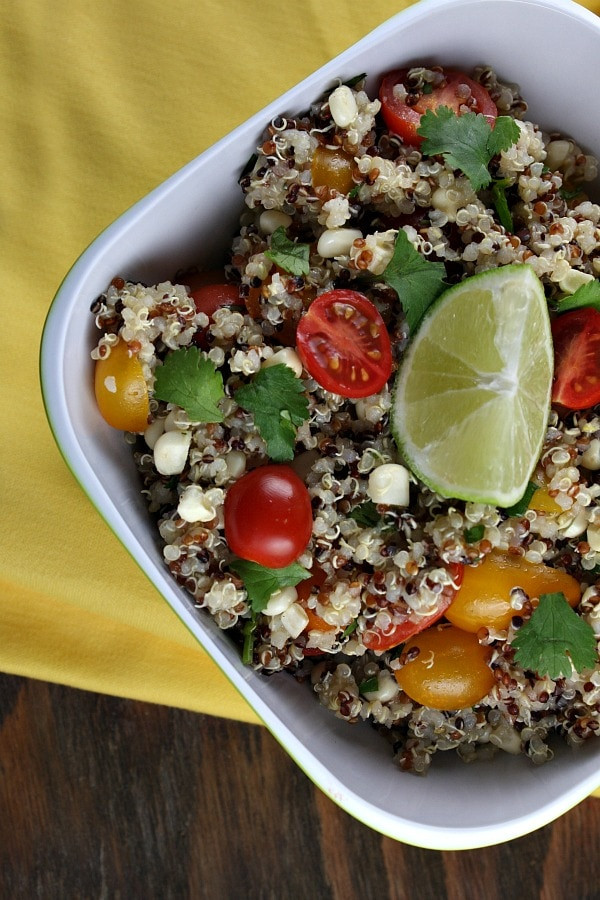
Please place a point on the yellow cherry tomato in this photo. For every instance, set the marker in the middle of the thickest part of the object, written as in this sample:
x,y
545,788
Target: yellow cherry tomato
x,y
483,599
121,390
541,500
544,503
450,670
332,168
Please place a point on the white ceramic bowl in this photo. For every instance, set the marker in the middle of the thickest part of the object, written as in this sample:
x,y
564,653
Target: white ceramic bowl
x,y
546,46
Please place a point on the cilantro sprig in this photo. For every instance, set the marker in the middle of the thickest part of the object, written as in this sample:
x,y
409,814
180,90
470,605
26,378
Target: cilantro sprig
x,y
191,381
279,405
261,582
416,280
500,202
474,533
555,641
249,632
288,255
467,142
586,295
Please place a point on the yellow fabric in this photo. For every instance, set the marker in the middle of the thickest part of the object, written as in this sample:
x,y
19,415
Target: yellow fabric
x,y
100,102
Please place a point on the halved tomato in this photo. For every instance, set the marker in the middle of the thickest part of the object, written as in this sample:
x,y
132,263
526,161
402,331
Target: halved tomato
x,y
576,336
210,297
376,639
211,292
344,344
402,112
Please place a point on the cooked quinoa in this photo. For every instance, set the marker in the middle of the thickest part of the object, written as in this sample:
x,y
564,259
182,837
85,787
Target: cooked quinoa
x,y
396,567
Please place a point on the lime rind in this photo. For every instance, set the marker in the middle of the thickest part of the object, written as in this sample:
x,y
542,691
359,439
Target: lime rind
x,y
472,396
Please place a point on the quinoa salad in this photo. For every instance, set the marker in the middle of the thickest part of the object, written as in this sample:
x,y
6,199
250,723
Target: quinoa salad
x,y
373,559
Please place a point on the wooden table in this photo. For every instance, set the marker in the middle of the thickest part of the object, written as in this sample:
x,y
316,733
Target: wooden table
x,y
109,798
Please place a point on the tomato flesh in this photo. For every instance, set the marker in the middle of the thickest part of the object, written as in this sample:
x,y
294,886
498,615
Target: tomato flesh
x,y
344,344
121,389
484,596
378,640
576,336
210,297
210,292
304,590
268,516
456,91
450,671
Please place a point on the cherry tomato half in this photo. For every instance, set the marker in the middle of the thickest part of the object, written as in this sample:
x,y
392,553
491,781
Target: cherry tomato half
x,y
450,671
211,297
343,343
378,640
484,596
210,292
268,516
121,389
576,336
455,91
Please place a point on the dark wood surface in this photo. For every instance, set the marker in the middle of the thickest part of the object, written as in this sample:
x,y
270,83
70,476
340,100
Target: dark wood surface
x,y
109,798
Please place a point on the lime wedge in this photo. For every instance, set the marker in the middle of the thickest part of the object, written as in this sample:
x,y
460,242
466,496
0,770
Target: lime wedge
x,y
472,394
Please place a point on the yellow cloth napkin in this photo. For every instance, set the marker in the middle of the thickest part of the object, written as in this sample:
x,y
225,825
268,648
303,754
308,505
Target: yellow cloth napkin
x,y
100,102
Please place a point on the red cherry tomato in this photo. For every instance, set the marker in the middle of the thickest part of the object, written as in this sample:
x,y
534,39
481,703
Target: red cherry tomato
x,y
209,292
211,297
457,90
376,639
576,337
268,516
343,343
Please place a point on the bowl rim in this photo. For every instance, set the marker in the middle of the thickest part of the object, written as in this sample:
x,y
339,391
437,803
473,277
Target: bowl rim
x,y
53,341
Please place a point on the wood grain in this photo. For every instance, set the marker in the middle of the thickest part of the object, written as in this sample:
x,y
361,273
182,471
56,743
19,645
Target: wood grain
x,y
109,798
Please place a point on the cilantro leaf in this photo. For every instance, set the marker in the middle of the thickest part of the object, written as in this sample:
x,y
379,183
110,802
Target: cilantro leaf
x,y
555,641
261,582
190,380
365,514
504,133
586,295
467,142
279,405
518,508
416,280
474,534
288,255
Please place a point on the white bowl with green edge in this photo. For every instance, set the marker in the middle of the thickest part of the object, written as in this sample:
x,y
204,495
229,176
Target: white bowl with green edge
x,y
456,806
